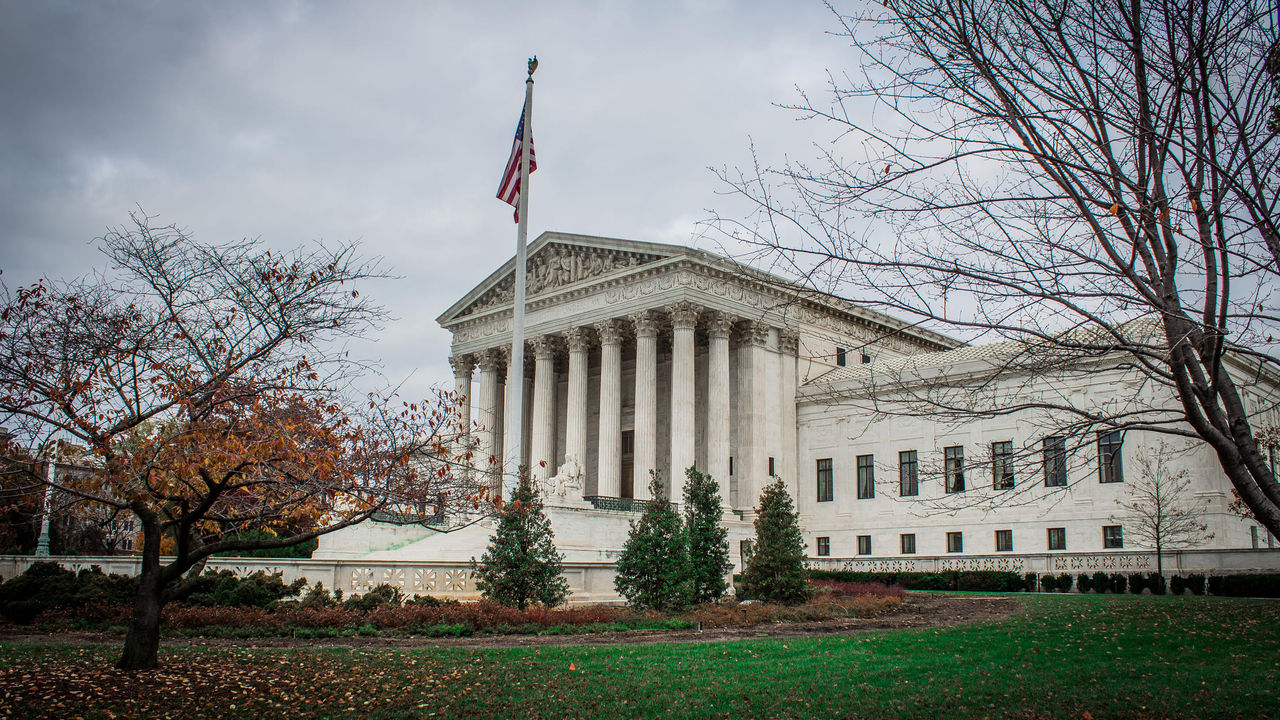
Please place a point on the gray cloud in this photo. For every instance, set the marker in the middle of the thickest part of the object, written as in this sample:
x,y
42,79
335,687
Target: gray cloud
x,y
385,122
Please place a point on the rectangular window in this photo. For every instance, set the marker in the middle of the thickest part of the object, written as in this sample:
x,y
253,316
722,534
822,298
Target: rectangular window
x,y
1112,536
1253,535
908,543
730,464
908,473
824,546
866,358
826,480
1055,461
1002,465
953,461
1004,541
1110,467
864,544
771,472
840,357
955,542
1057,538
866,476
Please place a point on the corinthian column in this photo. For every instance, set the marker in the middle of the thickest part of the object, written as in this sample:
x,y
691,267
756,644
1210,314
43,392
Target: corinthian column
x,y
684,318
463,365
575,433
609,475
756,337
542,446
488,412
718,420
788,347
646,419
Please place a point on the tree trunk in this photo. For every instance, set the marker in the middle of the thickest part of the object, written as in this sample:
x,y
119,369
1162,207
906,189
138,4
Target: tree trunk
x,y
142,642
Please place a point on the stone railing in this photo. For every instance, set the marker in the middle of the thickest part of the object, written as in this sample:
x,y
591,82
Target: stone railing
x,y
1221,562
588,582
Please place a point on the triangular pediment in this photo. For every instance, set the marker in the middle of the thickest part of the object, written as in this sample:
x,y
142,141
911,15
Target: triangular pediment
x,y
558,261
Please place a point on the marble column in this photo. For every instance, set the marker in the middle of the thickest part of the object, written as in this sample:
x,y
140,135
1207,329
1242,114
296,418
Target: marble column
x,y
646,417
718,416
463,365
609,474
684,319
752,459
542,445
488,411
788,347
758,339
575,434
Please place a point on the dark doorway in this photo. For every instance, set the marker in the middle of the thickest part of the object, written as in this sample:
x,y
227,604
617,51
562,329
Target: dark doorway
x,y
628,463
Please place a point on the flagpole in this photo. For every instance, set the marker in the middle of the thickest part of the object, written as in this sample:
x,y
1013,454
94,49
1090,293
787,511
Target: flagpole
x,y
515,387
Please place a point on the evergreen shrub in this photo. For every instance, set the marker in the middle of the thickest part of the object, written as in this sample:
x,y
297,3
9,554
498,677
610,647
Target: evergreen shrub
x,y
1177,584
1084,582
1118,583
1101,582
776,571
1195,583
708,538
1156,583
1137,583
521,565
1215,584
653,568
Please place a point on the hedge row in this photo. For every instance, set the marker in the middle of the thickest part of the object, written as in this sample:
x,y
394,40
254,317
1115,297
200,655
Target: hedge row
x,y
987,580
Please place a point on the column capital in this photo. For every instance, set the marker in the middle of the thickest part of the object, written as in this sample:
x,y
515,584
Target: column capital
x,y
645,323
462,365
789,342
545,346
610,332
753,332
578,339
684,315
491,359
719,324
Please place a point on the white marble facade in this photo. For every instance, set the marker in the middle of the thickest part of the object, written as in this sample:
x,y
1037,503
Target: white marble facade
x,y
643,356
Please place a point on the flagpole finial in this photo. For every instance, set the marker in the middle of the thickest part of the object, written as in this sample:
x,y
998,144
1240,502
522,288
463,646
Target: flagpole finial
x,y
533,65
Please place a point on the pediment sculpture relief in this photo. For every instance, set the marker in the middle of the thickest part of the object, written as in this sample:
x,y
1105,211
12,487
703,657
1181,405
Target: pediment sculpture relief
x,y
556,266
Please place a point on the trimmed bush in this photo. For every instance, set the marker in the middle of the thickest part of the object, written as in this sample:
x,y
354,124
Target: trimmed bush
x,y
1064,582
1084,582
1215,584
1177,584
1048,583
1118,583
1029,582
1195,583
1137,583
223,588
1101,582
47,585
1155,583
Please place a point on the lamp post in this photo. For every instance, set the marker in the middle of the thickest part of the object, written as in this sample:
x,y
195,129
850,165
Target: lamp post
x,y
42,545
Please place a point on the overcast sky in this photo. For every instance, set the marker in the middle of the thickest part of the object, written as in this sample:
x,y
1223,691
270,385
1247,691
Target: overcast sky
x,y
390,123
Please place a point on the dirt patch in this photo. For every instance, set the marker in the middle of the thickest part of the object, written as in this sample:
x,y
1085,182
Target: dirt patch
x,y
919,610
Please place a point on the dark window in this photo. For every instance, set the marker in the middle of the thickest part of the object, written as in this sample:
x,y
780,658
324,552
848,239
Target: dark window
x,y
908,473
955,542
908,543
1057,538
826,480
866,358
866,477
1112,536
730,464
953,461
824,546
1055,461
840,358
1004,541
864,544
1002,465
771,473
1110,467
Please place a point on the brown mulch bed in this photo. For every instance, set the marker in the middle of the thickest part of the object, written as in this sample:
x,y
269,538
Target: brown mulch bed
x,y
919,610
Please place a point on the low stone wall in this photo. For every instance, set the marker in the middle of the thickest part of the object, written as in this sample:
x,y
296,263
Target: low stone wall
x,y
1212,562
588,582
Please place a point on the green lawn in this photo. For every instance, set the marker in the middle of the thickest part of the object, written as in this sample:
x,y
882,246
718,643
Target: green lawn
x,y
1112,656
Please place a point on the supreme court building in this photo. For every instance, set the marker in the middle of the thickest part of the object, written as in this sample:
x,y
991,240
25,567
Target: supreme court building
x,y
644,356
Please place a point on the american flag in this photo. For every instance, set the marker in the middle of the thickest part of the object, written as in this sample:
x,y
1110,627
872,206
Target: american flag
x,y
509,190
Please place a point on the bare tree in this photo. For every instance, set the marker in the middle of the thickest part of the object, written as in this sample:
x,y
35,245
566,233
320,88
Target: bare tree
x,y
1160,512
1089,182
211,385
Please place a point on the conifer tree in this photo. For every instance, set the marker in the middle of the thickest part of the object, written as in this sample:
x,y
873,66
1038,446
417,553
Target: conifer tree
x,y
776,570
708,538
521,565
653,569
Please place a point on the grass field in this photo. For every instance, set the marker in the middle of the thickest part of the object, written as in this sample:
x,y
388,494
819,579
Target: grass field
x,y
1065,656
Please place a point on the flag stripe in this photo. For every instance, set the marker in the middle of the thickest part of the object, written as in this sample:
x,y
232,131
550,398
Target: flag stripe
x,y
509,188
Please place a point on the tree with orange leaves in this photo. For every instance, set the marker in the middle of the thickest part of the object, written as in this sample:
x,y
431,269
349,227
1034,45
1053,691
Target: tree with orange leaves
x,y
210,383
